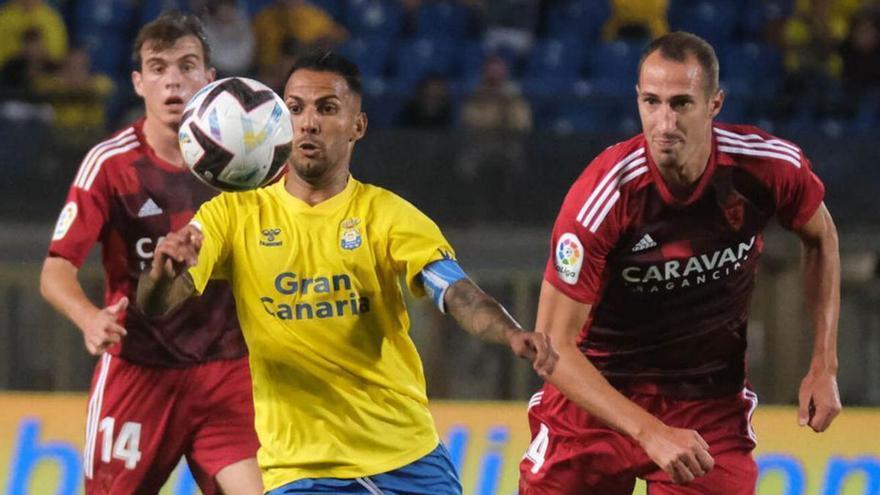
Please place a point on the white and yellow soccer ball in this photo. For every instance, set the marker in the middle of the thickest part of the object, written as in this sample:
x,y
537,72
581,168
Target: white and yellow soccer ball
x,y
236,134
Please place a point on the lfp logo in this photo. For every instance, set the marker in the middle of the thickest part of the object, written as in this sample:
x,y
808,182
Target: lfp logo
x,y
569,257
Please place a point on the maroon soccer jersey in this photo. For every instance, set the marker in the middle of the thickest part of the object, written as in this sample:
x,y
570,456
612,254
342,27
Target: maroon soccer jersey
x,y
127,198
669,279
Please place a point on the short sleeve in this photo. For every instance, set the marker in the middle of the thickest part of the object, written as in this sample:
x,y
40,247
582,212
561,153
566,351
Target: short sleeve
x,y
585,231
414,241
83,217
213,220
798,193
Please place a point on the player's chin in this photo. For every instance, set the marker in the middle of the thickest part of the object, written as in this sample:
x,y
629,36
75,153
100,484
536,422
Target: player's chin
x,y
309,168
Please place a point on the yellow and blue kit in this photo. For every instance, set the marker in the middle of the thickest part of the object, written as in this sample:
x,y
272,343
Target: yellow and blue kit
x,y
339,389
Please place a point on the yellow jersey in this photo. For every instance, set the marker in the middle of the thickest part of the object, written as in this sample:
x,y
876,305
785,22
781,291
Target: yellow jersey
x,y
339,389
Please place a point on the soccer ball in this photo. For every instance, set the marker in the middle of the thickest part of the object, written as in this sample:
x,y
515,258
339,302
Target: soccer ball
x,y
236,134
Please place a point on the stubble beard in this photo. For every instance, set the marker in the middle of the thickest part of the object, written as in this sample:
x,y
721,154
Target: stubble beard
x,y
310,171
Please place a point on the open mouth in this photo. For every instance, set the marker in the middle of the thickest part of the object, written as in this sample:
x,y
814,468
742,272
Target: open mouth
x,y
174,101
308,146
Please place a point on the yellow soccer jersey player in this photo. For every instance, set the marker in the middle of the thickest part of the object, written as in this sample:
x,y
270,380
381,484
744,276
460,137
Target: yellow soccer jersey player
x,y
323,315
315,262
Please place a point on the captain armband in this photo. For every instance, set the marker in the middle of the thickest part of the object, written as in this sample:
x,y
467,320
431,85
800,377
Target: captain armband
x,y
438,276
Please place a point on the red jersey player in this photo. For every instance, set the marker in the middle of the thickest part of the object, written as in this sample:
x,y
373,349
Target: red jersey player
x,y
164,387
646,295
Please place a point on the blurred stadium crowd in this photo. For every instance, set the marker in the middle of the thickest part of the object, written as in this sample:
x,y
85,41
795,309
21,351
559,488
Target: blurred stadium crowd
x,y
559,65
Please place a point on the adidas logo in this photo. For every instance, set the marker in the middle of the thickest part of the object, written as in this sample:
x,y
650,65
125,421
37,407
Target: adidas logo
x,y
644,243
149,209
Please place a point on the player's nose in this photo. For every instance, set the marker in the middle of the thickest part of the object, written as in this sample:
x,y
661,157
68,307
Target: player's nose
x,y
173,76
306,121
668,119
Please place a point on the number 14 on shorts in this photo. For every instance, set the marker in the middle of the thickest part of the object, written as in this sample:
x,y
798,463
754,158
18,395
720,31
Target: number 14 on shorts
x,y
127,445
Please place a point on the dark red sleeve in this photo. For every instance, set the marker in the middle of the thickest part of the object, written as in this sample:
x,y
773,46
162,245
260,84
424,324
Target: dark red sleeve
x,y
83,217
584,233
798,193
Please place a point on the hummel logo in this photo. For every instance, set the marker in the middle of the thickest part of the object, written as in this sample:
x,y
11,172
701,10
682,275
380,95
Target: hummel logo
x,y
644,243
270,237
149,209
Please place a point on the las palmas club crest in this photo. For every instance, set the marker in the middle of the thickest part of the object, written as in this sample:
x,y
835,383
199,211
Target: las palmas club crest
x,y
350,238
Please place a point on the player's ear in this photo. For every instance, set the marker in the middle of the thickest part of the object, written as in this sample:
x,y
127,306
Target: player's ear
x,y
211,75
137,82
360,127
716,102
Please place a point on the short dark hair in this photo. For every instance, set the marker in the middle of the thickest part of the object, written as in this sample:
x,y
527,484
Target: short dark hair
x,y
328,61
678,46
166,29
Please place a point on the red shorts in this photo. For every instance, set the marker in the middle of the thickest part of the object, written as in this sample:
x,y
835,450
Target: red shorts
x,y
574,453
142,420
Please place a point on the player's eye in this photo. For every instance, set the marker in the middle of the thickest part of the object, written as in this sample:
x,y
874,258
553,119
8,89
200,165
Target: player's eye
x,y
294,108
328,108
680,104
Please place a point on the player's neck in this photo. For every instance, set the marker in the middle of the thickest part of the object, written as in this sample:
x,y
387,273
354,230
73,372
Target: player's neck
x,y
681,178
316,190
163,140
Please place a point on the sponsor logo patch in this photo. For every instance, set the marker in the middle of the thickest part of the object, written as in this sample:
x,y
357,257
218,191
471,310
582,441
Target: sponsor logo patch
x,y
569,258
65,220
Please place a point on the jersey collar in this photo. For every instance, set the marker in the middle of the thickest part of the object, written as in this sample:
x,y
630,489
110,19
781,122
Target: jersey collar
x,y
715,157
326,207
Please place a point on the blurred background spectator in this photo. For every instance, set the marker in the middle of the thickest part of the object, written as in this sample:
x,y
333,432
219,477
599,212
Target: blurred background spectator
x,y
232,41
78,98
293,25
30,64
640,19
20,16
860,56
496,104
430,107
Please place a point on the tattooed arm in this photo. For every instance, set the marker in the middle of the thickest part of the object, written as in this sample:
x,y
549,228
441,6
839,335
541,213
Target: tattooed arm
x,y
481,315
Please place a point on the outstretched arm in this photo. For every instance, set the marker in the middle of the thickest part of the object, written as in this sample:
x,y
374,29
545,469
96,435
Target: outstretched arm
x,y
681,453
61,288
481,315
168,283
818,397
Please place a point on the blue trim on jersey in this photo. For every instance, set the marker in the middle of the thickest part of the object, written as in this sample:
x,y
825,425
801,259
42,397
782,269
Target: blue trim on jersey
x,y
438,276
433,474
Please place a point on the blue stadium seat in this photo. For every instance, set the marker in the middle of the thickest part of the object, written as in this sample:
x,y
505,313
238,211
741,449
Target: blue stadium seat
x,y
369,53
253,7
374,18
714,20
554,67
614,67
734,111
106,29
557,58
595,114
150,9
90,14
581,19
548,86
752,69
383,110
418,57
470,64
443,19
335,8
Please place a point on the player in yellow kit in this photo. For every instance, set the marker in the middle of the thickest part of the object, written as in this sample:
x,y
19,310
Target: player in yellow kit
x,y
314,262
